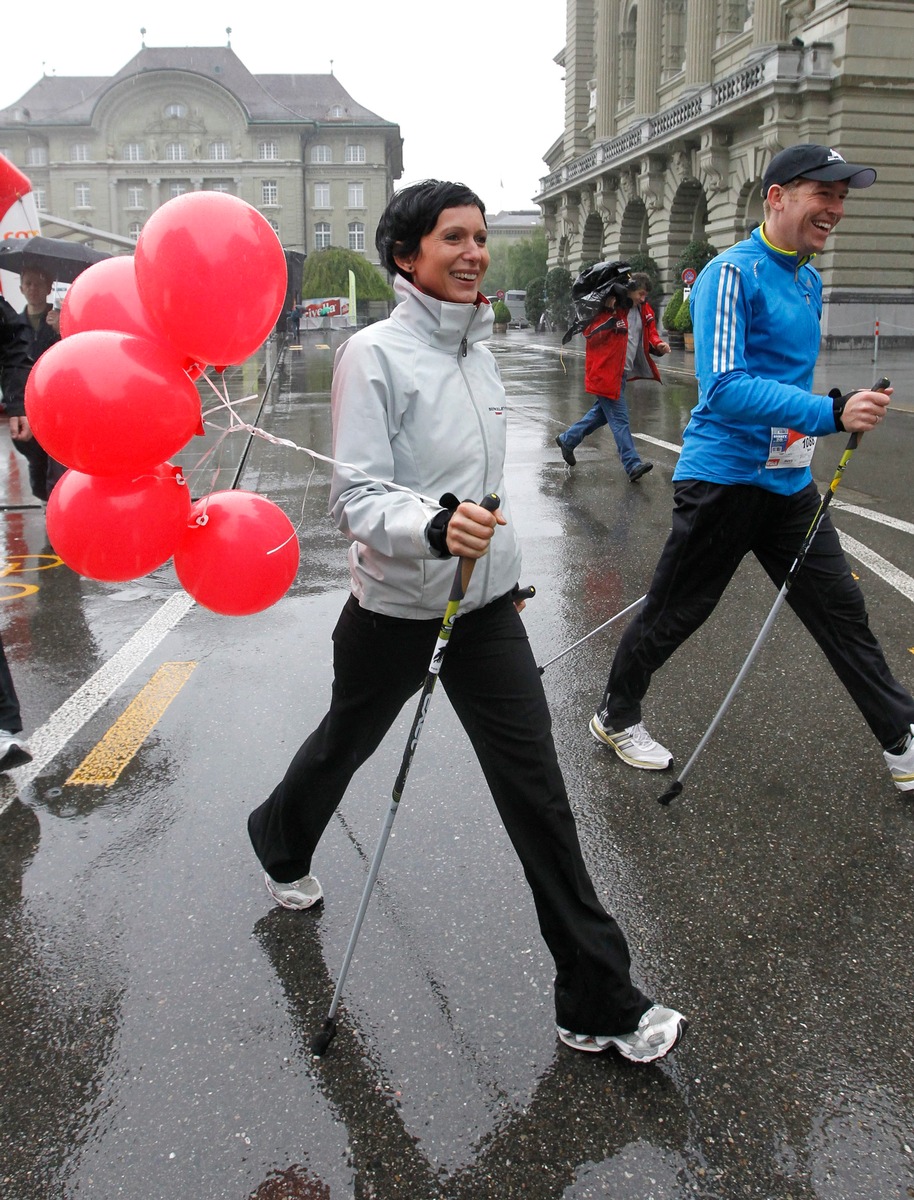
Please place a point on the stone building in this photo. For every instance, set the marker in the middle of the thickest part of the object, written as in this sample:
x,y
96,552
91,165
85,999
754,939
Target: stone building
x,y
673,109
513,225
106,152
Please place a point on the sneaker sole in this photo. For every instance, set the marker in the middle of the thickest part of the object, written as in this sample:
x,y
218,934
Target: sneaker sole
x,y
589,1045
632,762
17,757
681,1028
291,904
905,784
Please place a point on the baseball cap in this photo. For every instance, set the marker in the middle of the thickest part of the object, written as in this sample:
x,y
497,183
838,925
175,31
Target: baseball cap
x,y
809,161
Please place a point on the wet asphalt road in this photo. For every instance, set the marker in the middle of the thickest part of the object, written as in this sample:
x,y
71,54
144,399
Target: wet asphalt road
x,y
156,1011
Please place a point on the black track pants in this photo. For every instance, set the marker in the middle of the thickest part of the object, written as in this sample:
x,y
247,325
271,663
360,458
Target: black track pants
x,y
491,679
714,527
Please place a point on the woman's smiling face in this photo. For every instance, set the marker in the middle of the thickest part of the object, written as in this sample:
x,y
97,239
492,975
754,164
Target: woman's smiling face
x,y
453,258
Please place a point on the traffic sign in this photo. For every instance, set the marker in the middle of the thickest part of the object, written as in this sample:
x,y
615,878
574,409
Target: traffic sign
x,y
689,276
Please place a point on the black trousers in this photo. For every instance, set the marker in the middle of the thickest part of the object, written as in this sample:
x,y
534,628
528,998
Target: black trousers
x,y
44,471
10,720
714,527
491,678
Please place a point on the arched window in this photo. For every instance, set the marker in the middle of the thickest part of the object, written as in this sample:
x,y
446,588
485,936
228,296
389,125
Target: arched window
x,y
176,110
321,154
267,151
135,229
176,152
322,235
218,151
355,154
357,236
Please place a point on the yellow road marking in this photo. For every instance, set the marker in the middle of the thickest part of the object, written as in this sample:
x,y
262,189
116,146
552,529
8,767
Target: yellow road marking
x,y
105,762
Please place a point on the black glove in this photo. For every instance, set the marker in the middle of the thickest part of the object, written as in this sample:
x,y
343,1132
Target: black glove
x,y
437,526
838,403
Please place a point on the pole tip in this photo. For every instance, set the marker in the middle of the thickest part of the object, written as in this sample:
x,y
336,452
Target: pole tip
x,y
674,790
323,1039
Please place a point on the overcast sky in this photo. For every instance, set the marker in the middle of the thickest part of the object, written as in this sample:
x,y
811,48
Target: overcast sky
x,y
472,85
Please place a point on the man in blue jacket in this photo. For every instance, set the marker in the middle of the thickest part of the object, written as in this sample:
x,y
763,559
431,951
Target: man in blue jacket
x,y
743,482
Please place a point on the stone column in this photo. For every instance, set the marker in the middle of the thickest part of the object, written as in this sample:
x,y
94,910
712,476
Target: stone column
x,y
767,22
699,42
647,57
606,70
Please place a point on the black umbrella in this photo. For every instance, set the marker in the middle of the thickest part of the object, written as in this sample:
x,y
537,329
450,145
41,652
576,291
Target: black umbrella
x,y
55,257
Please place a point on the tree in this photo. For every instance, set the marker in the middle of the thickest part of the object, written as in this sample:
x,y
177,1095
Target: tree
x,y
326,273
527,259
535,300
672,309
512,264
696,254
558,297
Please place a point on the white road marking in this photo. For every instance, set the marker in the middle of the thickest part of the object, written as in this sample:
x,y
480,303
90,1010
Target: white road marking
x,y
47,742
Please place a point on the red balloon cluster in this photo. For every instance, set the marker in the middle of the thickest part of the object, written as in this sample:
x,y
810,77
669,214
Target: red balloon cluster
x,y
115,398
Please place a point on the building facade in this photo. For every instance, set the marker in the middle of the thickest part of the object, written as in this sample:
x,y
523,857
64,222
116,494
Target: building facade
x,y
674,108
106,152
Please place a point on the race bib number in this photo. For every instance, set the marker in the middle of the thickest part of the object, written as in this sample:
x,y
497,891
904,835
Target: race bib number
x,y
789,449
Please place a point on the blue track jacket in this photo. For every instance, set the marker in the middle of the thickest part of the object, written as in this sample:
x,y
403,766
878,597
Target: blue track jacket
x,y
755,315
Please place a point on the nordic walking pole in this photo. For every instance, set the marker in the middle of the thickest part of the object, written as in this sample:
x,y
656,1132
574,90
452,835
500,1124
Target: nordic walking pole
x,y
462,575
676,786
580,642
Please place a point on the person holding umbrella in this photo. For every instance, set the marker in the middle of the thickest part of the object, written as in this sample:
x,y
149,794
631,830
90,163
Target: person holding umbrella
x,y
41,323
38,261
14,370
418,412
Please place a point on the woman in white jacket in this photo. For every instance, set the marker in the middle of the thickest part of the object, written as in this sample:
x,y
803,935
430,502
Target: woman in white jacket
x,y
418,413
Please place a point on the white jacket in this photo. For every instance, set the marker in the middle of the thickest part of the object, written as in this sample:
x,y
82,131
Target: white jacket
x,y
417,400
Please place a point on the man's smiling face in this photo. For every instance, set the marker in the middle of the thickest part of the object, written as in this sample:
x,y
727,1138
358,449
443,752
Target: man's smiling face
x,y
804,213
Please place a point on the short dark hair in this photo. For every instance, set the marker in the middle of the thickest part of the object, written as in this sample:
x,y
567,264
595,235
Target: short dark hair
x,y
640,282
413,212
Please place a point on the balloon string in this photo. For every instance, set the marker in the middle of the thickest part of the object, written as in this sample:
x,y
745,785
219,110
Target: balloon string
x,y
238,424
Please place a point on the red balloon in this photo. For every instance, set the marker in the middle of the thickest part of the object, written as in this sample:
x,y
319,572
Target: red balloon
x,y
212,275
109,403
117,528
105,296
239,553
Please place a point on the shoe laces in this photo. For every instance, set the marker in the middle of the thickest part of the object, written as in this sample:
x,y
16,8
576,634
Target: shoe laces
x,y
640,736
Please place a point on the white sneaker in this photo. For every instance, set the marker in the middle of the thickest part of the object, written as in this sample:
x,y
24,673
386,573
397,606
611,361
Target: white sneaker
x,y
300,893
902,766
659,1030
14,751
633,745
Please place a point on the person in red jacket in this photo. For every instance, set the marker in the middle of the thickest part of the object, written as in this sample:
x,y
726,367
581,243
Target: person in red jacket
x,y
620,342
